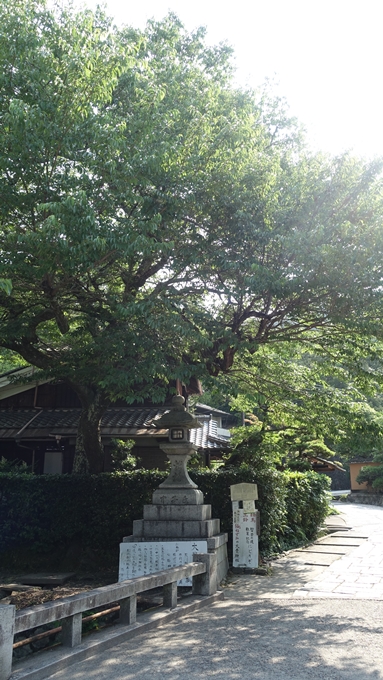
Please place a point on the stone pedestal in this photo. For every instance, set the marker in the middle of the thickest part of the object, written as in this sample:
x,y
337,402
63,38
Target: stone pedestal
x,y
178,516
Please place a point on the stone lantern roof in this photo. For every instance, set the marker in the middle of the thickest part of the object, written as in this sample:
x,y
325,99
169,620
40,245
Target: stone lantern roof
x,y
178,416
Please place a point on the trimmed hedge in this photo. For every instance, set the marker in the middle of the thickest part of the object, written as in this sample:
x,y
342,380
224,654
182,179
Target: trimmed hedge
x,y
48,515
44,517
306,506
271,501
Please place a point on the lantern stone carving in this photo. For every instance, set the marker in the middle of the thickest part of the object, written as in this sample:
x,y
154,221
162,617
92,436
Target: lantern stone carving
x,y
178,488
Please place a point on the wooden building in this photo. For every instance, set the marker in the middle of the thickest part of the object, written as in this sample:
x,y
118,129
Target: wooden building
x,y
38,425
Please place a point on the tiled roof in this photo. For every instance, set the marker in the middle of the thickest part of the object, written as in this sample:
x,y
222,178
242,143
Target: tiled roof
x,y
207,436
329,463
117,422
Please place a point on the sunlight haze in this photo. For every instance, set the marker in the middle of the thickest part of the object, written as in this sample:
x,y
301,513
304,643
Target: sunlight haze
x,y
325,57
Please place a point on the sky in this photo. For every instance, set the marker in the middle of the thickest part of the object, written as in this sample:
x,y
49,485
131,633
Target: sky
x,y
324,56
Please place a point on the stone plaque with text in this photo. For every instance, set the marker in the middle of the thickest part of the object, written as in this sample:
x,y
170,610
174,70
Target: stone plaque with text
x,y
140,559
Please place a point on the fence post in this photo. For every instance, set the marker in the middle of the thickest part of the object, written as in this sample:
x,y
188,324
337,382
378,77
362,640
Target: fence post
x,y
71,630
170,595
7,628
207,583
128,610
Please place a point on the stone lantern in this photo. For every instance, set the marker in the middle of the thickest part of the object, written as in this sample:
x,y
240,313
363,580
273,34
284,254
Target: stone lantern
x,y
178,488
177,524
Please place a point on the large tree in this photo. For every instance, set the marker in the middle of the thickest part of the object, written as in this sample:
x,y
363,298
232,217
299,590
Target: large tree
x,y
154,220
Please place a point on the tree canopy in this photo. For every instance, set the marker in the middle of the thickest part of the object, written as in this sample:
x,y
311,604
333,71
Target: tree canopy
x,y
300,401
155,221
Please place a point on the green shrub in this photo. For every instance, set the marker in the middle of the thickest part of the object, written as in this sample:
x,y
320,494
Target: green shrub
x,y
121,455
271,502
307,506
47,514
373,475
44,517
13,466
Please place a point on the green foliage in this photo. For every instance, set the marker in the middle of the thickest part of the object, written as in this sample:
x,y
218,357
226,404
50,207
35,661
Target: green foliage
x,y
48,513
307,505
90,625
271,502
310,399
122,458
10,361
44,515
299,464
6,285
373,474
15,467
156,222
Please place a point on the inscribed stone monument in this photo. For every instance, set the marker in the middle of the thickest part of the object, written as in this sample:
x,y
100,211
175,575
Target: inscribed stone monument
x,y
246,526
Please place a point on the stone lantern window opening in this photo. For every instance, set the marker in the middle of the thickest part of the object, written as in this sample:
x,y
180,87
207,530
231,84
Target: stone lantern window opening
x,y
178,434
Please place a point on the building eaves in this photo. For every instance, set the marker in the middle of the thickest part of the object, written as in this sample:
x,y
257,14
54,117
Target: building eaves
x,y
118,423
329,463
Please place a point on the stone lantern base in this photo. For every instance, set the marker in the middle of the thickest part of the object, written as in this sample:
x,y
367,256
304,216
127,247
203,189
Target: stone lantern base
x,y
177,521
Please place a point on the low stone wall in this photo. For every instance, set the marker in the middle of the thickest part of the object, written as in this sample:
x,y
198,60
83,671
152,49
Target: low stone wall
x,y
366,498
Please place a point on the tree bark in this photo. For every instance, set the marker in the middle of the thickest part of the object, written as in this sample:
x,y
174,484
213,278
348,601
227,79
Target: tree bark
x,y
89,451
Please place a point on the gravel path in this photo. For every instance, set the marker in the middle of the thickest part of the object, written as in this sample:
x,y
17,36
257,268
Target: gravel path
x,y
248,639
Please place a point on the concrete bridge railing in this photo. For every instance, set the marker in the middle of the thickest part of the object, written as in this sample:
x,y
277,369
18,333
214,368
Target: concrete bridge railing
x,y
68,611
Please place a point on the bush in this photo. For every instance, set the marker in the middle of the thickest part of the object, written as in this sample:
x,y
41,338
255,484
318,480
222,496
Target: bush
x,y
271,502
307,505
47,514
43,516
373,475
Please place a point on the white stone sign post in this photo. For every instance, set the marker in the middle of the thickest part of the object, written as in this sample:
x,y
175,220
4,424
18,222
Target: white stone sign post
x,y
246,526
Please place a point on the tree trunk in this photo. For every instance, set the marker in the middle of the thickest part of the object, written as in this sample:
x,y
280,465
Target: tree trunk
x,y
89,452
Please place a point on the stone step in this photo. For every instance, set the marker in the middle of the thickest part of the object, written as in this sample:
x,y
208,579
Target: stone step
x,y
177,512
176,529
326,549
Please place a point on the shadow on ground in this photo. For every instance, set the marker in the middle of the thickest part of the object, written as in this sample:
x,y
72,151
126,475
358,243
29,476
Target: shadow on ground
x,y
268,640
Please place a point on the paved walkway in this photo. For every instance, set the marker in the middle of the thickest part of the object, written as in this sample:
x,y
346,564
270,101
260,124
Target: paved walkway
x,y
304,622
358,574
